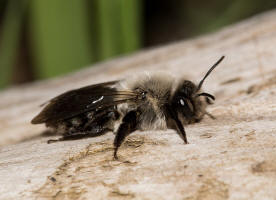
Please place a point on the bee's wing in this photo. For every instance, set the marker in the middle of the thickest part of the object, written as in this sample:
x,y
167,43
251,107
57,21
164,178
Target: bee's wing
x,y
75,102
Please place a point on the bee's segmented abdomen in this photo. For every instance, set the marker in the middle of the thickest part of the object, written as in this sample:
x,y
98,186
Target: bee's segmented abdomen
x,y
92,123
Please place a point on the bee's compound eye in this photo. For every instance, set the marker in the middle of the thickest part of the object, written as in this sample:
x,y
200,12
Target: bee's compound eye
x,y
144,95
182,102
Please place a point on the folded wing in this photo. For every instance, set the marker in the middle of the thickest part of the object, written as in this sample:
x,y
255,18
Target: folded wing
x,y
82,100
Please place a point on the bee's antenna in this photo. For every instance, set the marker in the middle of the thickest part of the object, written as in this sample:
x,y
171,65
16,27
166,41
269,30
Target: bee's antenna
x,y
207,74
206,95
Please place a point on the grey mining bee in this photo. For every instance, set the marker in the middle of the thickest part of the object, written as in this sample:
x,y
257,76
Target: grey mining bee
x,y
155,102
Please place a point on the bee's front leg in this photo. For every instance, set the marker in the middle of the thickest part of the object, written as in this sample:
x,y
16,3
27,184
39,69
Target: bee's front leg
x,y
174,123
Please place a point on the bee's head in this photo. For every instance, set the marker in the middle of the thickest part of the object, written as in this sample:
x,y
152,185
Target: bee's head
x,y
188,100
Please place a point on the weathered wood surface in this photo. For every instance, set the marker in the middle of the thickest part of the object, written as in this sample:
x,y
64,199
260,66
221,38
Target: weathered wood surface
x,y
232,157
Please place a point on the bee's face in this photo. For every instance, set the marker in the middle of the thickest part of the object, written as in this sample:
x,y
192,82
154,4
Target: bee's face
x,y
189,105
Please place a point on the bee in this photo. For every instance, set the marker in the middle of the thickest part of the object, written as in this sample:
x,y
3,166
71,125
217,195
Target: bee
x,y
152,102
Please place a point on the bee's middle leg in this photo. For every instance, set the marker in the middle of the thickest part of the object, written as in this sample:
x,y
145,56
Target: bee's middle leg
x,y
128,126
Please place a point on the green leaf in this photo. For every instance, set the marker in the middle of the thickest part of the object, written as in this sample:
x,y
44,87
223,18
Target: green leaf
x,y
60,36
9,40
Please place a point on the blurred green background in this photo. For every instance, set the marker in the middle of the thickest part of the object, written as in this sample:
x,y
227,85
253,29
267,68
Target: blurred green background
x,y
46,38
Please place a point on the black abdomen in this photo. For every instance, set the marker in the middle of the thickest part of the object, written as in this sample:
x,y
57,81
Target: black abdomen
x,y
92,123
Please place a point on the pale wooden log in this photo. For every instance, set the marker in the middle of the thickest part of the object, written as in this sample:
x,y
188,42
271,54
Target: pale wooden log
x,y
232,157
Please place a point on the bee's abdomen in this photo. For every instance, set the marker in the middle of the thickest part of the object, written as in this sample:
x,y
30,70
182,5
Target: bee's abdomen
x,y
92,123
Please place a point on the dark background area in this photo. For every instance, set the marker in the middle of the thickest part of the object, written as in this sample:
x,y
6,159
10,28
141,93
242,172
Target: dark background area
x,y
45,38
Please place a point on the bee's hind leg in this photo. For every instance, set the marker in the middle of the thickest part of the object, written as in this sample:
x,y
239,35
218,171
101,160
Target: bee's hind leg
x,y
69,136
79,135
128,125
